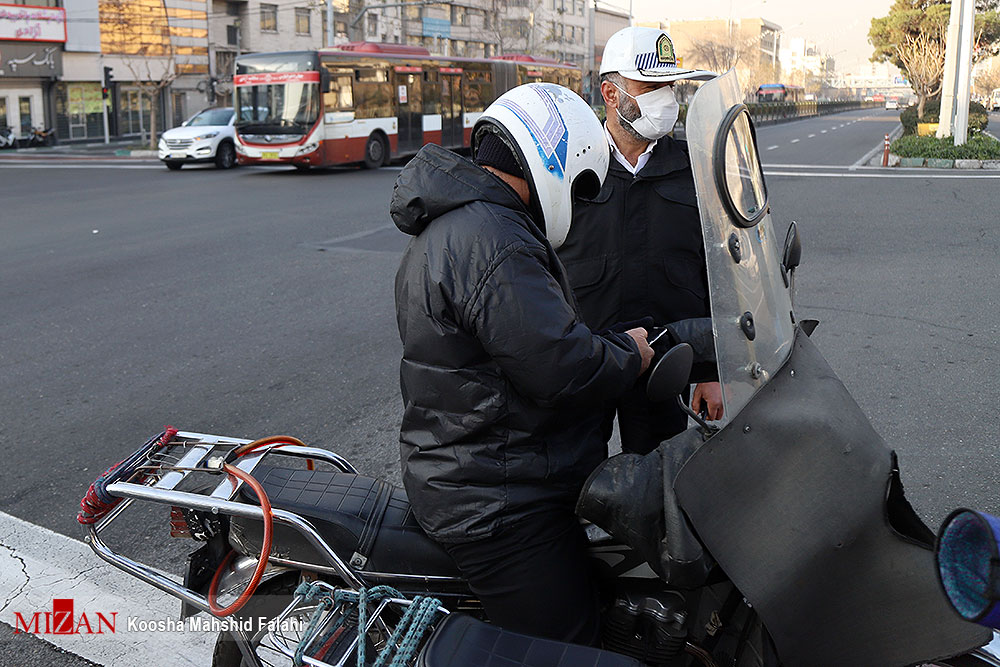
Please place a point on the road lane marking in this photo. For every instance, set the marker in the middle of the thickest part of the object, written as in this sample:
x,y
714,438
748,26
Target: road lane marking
x,y
65,165
37,565
822,131
795,141
771,148
810,136
883,173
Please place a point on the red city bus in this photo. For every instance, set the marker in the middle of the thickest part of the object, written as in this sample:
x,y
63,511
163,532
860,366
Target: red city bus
x,y
369,103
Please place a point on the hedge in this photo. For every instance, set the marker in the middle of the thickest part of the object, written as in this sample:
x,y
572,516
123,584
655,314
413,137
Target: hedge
x,y
978,116
978,147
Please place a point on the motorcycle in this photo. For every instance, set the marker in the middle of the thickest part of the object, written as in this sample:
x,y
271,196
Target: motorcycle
x,y
42,137
7,138
779,535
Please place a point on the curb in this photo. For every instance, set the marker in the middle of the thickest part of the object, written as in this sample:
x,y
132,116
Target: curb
x,y
934,163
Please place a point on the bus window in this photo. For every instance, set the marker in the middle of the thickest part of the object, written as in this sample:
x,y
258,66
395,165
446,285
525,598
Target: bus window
x,y
432,93
373,94
478,90
341,95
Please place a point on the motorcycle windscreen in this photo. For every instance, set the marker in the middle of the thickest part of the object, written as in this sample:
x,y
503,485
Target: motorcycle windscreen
x,y
797,498
751,303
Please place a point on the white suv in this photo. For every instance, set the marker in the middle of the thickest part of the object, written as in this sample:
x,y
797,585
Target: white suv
x,y
207,136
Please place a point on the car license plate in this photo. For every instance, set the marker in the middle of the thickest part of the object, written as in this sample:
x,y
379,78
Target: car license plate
x,y
269,155
178,156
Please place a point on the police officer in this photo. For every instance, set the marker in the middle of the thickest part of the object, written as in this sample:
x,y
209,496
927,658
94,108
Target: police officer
x,y
635,250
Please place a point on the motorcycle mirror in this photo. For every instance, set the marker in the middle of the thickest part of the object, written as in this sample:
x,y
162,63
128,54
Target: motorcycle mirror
x,y
792,254
671,374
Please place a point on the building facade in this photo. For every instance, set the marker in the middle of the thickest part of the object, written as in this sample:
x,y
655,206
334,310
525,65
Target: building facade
x,y
32,39
172,58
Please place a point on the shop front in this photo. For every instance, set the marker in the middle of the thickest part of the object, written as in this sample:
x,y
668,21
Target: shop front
x,y
31,61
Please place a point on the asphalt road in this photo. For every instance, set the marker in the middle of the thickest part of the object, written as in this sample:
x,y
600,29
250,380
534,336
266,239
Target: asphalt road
x,y
840,139
254,302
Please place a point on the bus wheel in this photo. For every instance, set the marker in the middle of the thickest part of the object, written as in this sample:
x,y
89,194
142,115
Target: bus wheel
x,y
376,151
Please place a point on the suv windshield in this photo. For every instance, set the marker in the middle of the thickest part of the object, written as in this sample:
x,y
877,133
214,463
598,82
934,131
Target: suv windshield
x,y
211,117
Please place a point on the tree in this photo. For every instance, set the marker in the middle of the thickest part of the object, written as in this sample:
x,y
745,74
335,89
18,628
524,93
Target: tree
x,y
145,46
720,53
913,37
987,80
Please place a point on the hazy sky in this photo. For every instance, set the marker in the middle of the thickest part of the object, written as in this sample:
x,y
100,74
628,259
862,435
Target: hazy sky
x,y
840,28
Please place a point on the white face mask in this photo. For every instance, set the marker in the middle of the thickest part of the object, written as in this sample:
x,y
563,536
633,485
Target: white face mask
x,y
658,110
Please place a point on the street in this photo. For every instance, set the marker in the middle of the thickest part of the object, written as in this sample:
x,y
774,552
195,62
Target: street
x,y
259,301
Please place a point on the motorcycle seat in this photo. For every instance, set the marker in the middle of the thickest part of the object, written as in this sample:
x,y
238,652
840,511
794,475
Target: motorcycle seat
x,y
462,641
367,521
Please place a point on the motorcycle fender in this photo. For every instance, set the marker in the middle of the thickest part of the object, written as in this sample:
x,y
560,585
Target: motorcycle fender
x,y
233,580
799,501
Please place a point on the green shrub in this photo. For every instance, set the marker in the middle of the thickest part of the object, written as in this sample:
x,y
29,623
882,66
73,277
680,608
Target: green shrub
x,y
978,147
978,116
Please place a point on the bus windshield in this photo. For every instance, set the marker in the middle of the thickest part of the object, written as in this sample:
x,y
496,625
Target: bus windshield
x,y
269,105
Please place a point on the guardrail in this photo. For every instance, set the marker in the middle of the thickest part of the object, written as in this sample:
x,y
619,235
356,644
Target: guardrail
x,y
774,112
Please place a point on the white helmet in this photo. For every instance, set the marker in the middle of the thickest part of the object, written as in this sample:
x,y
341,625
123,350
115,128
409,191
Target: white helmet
x,y
559,143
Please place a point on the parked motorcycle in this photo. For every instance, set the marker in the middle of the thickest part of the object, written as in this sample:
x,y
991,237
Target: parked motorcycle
x,y
42,137
7,138
778,535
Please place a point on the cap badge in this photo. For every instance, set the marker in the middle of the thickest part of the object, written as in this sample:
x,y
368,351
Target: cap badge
x,y
665,50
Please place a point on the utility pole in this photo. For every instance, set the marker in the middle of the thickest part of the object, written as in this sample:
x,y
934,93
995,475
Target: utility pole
x,y
955,89
591,55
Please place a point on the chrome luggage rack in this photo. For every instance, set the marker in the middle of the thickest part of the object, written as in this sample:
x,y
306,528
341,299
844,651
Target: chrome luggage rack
x,y
173,475
330,641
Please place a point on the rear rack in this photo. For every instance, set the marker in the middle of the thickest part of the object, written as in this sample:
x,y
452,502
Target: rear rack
x,y
173,475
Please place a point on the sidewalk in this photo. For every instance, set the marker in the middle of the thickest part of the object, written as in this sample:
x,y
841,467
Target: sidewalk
x,y
98,151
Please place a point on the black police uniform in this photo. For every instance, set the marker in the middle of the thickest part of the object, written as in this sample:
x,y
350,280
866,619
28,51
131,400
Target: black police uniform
x,y
636,251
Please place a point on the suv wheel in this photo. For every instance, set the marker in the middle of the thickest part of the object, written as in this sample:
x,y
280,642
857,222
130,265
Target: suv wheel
x,y
225,155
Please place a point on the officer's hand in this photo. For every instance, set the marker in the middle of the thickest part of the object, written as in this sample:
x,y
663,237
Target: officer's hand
x,y
639,336
708,397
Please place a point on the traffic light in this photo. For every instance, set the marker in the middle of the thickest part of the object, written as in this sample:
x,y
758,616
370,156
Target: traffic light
x,y
106,84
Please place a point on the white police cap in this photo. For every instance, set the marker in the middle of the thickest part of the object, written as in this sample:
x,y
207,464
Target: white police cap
x,y
646,54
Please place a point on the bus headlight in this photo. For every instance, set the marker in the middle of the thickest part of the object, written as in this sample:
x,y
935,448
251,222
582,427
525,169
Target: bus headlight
x,y
308,148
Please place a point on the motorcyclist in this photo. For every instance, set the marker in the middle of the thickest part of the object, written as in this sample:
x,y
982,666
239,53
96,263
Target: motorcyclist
x,y
497,365
635,250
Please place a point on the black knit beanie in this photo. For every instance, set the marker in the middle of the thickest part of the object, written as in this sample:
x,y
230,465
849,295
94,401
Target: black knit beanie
x,y
493,152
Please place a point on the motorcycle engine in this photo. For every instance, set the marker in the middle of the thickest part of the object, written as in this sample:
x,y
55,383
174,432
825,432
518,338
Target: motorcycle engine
x,y
647,627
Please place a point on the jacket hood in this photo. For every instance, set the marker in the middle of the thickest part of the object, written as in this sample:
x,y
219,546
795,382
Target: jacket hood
x,y
436,181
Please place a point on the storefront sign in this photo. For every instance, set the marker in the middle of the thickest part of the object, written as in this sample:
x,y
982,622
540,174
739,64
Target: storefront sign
x,y
32,24
30,60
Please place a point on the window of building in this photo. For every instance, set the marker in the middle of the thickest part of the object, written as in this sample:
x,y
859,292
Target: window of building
x,y
372,23
268,18
302,26
459,15
232,9
415,12
233,35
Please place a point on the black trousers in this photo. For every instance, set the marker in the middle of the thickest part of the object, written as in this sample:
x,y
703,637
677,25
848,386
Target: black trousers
x,y
535,577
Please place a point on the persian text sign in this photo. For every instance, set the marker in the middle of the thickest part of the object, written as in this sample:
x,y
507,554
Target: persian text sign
x,y
272,78
32,24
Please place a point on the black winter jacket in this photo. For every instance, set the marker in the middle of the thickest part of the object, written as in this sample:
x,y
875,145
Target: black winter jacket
x,y
636,249
496,364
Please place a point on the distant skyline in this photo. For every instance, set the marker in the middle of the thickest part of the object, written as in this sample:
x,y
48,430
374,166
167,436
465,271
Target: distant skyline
x,y
840,29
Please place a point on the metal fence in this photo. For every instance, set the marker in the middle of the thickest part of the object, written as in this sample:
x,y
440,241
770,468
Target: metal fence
x,y
775,112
